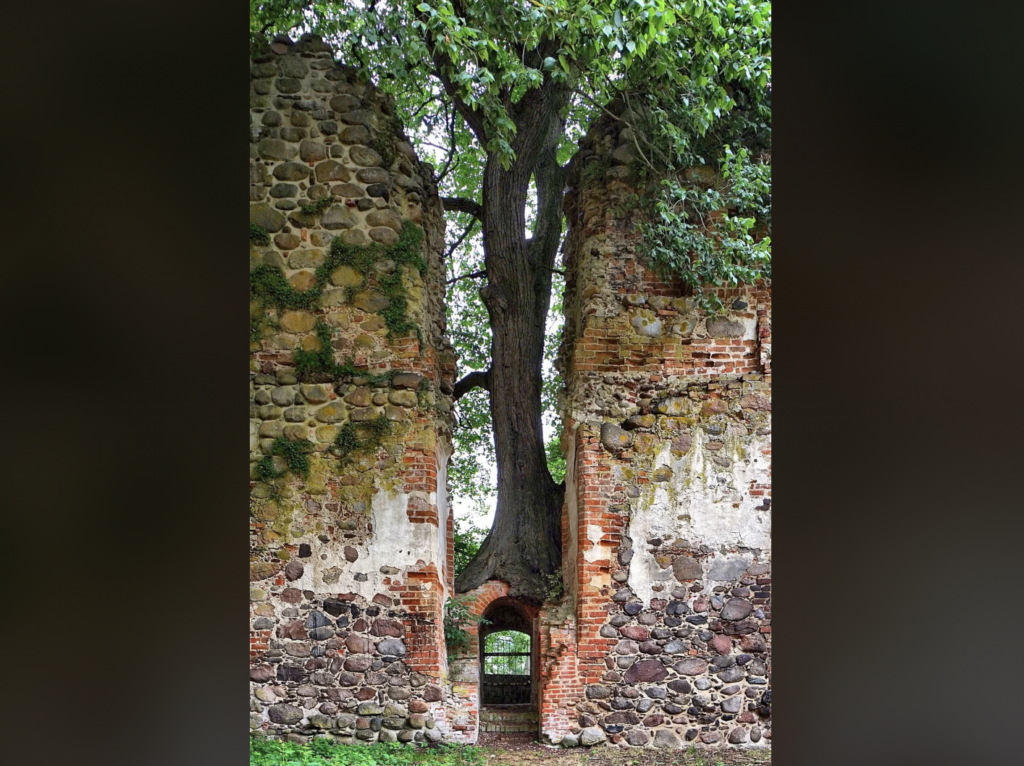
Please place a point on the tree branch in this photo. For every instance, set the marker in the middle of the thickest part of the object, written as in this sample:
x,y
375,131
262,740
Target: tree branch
x,y
471,275
463,205
452,149
442,63
549,177
458,242
475,379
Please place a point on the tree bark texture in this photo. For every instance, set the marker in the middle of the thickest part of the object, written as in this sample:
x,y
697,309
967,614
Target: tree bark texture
x,y
524,544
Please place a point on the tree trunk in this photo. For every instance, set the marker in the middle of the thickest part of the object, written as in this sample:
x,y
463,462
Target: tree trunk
x,y
524,546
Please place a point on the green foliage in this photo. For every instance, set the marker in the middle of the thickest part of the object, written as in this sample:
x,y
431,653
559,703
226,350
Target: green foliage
x,y
552,382
556,460
691,237
321,361
507,641
457,617
258,235
555,586
349,441
325,752
315,208
394,315
267,284
294,455
467,539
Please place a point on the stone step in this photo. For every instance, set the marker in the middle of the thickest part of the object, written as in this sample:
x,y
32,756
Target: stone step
x,y
493,728
508,718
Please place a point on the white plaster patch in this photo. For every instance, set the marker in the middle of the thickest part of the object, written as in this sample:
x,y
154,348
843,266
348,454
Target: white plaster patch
x,y
749,326
572,544
395,543
713,504
596,552
649,520
703,503
441,499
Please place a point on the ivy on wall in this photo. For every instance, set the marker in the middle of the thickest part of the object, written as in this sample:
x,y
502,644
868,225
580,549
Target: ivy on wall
x,y
268,286
349,440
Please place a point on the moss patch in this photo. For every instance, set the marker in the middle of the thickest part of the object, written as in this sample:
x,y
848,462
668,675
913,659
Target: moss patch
x,y
293,453
258,235
349,440
269,287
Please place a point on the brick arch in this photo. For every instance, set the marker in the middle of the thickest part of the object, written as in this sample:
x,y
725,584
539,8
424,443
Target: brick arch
x,y
483,596
520,616
492,599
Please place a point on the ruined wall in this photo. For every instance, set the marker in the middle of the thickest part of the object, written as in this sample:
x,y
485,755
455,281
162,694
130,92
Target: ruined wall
x,y
350,377
667,525
662,636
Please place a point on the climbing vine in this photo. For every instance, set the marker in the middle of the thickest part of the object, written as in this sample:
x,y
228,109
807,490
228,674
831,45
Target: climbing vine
x,y
268,286
457,617
719,236
258,235
294,455
348,440
320,363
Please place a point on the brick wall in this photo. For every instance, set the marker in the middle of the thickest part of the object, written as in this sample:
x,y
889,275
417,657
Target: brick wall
x,y
663,635
667,420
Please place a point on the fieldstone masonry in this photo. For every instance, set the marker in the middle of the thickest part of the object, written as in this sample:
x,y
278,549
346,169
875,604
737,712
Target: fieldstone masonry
x,y
350,561
667,524
662,635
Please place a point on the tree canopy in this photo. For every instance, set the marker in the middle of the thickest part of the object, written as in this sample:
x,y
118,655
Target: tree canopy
x,y
496,95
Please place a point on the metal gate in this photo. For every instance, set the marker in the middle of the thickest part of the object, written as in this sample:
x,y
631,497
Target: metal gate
x,y
507,671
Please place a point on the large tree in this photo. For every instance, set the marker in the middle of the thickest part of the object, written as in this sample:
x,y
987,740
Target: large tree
x,y
503,90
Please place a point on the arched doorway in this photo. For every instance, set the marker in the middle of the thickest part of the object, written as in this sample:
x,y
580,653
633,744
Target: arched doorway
x,y
508,668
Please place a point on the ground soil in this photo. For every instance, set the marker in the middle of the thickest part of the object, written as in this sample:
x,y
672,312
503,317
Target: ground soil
x,y
522,750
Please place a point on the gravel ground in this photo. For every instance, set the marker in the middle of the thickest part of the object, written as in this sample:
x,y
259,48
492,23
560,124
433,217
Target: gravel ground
x,y
512,750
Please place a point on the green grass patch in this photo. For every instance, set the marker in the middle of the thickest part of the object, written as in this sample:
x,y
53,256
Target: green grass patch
x,y
324,752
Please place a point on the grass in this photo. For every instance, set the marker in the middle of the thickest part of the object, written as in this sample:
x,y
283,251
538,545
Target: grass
x,y
323,752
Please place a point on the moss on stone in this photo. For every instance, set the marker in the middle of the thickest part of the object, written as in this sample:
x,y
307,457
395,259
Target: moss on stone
x,y
319,473
268,286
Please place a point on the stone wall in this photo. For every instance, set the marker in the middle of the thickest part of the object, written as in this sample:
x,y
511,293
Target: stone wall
x,y
350,554
667,423
662,636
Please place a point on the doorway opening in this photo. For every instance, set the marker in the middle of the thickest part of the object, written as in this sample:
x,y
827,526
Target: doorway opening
x,y
508,668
